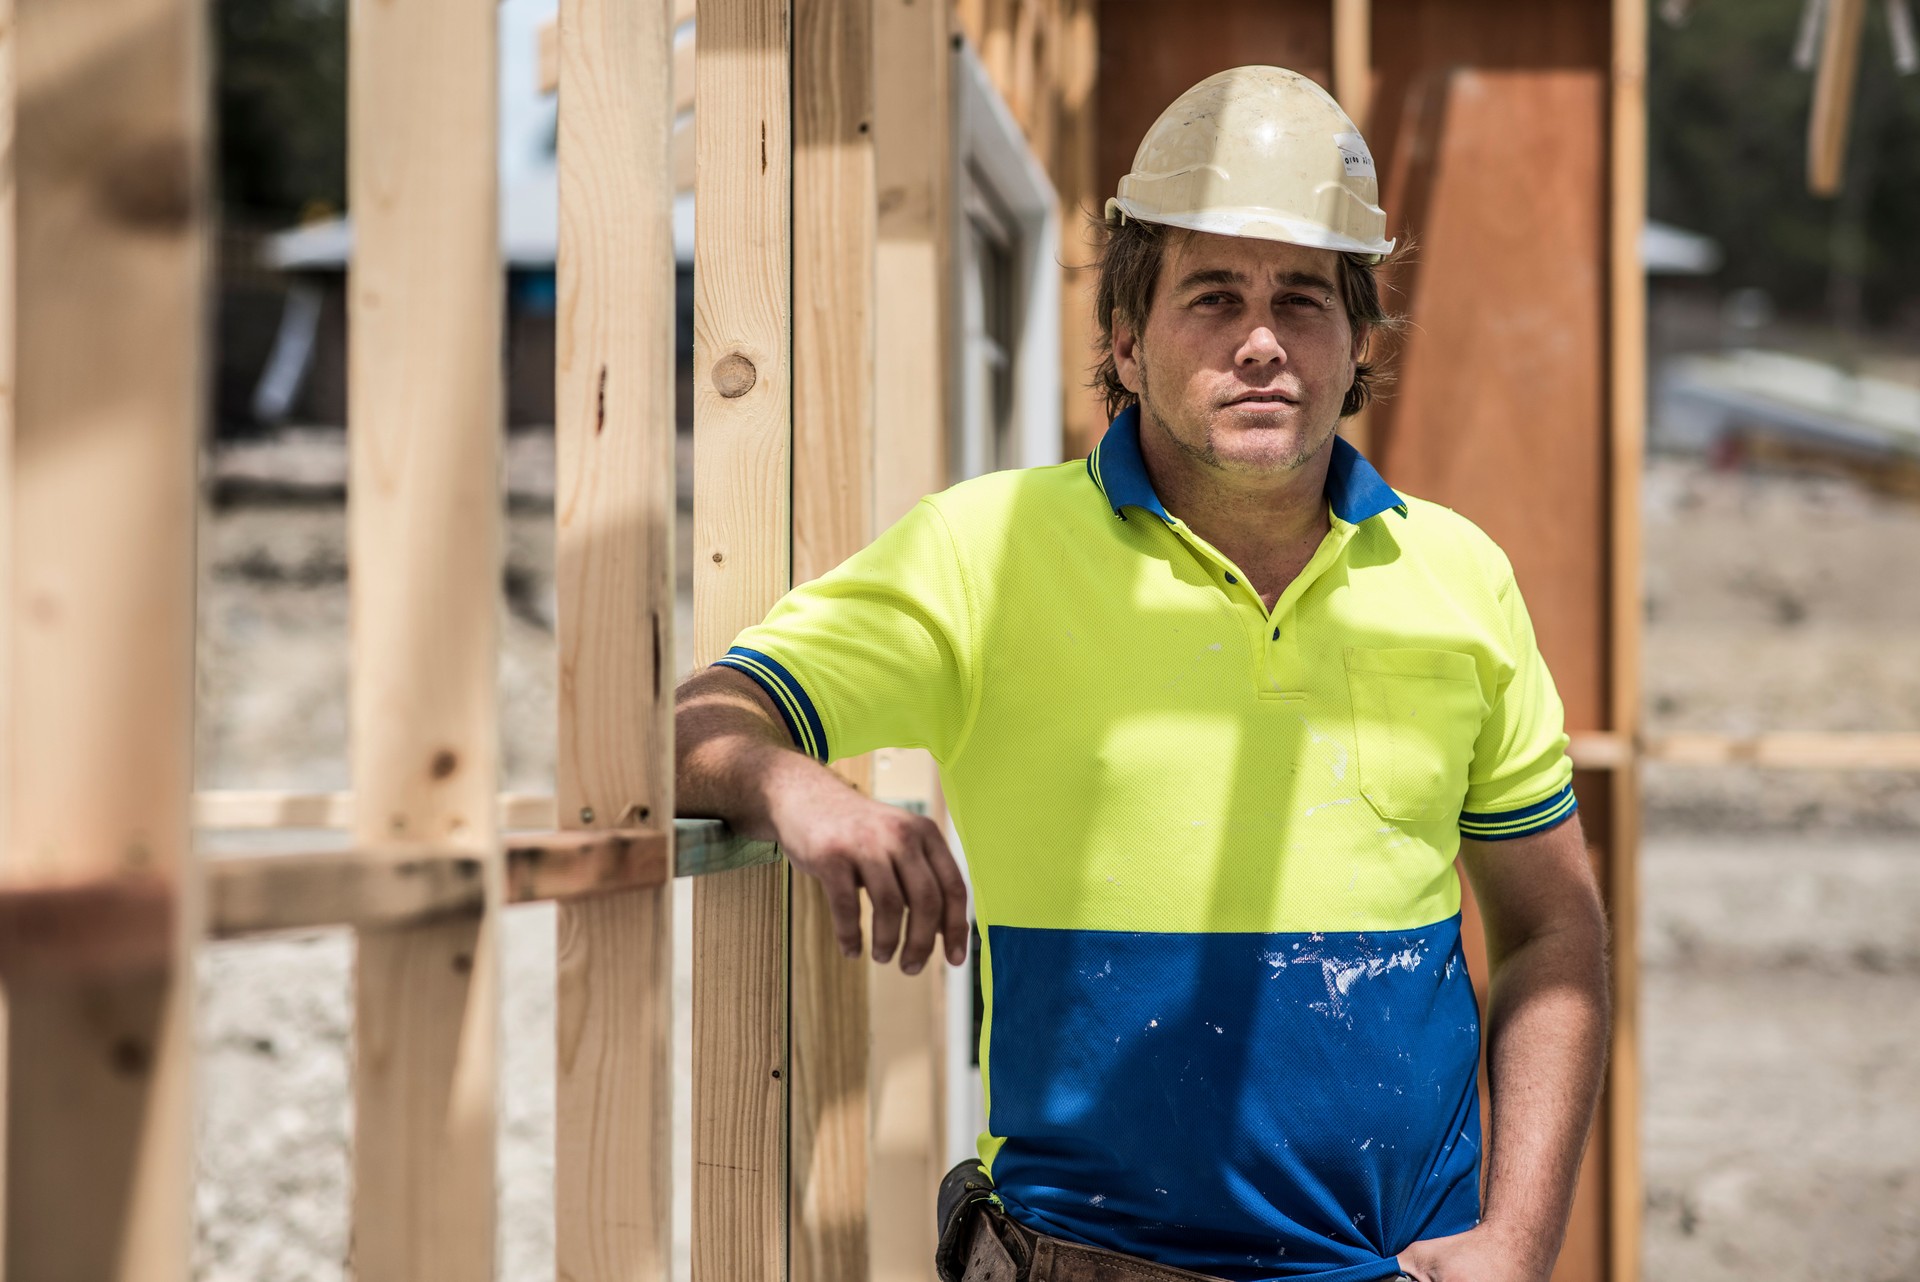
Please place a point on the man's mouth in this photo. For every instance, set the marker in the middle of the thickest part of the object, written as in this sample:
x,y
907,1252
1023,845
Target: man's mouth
x,y
1262,398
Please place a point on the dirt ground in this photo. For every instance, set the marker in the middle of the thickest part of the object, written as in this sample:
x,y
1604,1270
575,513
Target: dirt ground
x,y
1781,911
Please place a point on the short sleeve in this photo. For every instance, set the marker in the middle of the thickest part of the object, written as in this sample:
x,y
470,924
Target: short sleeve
x,y
1521,780
875,653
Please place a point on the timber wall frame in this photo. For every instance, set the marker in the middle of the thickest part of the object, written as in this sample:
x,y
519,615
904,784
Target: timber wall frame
x,y
103,902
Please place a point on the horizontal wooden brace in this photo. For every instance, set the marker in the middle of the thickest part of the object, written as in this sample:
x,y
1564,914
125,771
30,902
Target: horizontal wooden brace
x,y
123,924
517,812
110,926
1791,750
235,810
1600,750
1775,750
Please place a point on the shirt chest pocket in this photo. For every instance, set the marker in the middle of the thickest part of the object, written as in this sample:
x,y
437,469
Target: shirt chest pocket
x,y
1416,714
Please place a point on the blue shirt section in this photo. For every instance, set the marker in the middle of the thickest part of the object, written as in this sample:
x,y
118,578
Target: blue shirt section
x,y
1249,1106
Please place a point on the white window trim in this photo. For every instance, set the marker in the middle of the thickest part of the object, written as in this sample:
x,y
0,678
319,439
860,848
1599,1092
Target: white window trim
x,y
989,150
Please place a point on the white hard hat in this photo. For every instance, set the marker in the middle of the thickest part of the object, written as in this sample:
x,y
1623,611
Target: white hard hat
x,y
1262,152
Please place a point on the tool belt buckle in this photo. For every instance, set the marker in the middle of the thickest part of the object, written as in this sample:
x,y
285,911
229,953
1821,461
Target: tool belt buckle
x,y
988,1259
971,1248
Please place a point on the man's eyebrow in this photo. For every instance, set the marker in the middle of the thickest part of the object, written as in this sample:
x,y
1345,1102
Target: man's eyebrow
x,y
1303,280
1226,276
1210,276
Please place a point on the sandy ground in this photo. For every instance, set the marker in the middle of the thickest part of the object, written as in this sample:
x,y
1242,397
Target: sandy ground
x,y
1782,911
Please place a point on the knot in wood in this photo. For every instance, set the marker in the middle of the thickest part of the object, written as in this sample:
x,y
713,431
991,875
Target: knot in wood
x,y
734,375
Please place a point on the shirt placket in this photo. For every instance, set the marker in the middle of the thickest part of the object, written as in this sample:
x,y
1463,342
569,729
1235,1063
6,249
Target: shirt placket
x,y
1282,665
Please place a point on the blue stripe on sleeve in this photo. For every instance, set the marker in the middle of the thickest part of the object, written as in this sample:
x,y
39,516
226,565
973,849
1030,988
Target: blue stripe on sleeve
x,y
1525,822
788,695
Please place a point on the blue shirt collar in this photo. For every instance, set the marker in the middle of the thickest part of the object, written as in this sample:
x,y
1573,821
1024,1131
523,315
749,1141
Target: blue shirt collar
x,y
1354,490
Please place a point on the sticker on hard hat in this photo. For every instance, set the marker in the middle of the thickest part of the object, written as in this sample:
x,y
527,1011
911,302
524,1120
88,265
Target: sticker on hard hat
x,y
1354,154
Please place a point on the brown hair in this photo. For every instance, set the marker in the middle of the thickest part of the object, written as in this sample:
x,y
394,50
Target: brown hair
x,y
1129,265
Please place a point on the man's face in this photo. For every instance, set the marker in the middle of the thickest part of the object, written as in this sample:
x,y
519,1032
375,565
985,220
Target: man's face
x,y
1247,353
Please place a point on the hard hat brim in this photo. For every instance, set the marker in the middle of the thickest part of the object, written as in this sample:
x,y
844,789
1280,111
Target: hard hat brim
x,y
1253,223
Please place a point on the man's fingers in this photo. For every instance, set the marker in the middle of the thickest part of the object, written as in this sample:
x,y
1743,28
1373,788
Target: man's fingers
x,y
843,898
953,889
883,889
923,908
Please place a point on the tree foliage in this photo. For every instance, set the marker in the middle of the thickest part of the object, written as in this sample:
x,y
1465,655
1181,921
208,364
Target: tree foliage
x,y
282,103
1727,155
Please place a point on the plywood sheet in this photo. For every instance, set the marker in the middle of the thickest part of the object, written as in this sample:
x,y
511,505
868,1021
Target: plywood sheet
x,y
1499,409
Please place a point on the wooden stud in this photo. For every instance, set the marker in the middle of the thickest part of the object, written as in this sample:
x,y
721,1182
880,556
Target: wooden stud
x,y
6,536
615,511
1072,168
548,37
912,128
742,561
547,55
833,352
1626,394
424,411
1353,58
1353,87
1833,88
106,203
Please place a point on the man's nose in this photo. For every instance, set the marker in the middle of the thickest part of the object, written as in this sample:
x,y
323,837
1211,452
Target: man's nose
x,y
1261,346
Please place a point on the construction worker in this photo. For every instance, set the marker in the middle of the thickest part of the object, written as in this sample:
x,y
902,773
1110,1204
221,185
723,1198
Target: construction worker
x,y
1215,711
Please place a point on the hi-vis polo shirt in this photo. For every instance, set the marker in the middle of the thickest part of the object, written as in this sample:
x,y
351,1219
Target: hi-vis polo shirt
x,y
1228,1021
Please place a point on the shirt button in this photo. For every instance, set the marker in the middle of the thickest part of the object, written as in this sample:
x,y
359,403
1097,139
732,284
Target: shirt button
x,y
1231,579
1276,634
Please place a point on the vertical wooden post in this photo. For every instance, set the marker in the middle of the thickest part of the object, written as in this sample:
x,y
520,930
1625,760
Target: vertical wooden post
x,y
1353,86
1627,396
833,344
107,164
1077,125
6,538
912,129
1353,58
424,501
615,511
1833,89
742,399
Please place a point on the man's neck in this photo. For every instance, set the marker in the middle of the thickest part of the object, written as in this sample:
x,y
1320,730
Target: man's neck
x,y
1269,527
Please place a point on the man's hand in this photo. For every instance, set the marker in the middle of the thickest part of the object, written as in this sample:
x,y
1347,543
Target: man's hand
x,y
848,842
1478,1255
736,762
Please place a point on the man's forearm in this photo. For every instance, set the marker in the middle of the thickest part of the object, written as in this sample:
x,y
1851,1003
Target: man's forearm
x,y
732,760
1547,1028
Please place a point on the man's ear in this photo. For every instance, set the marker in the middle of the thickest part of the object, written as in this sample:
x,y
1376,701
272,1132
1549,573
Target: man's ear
x,y
1362,336
1126,354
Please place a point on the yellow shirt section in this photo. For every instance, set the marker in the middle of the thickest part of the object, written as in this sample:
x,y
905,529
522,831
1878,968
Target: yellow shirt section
x,y
1130,741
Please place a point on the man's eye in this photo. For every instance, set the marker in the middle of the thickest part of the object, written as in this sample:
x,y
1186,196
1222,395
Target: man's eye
x,y
1308,299
1209,299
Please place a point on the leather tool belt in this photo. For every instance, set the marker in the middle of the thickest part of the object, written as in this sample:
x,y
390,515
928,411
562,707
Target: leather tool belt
x,y
981,1243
